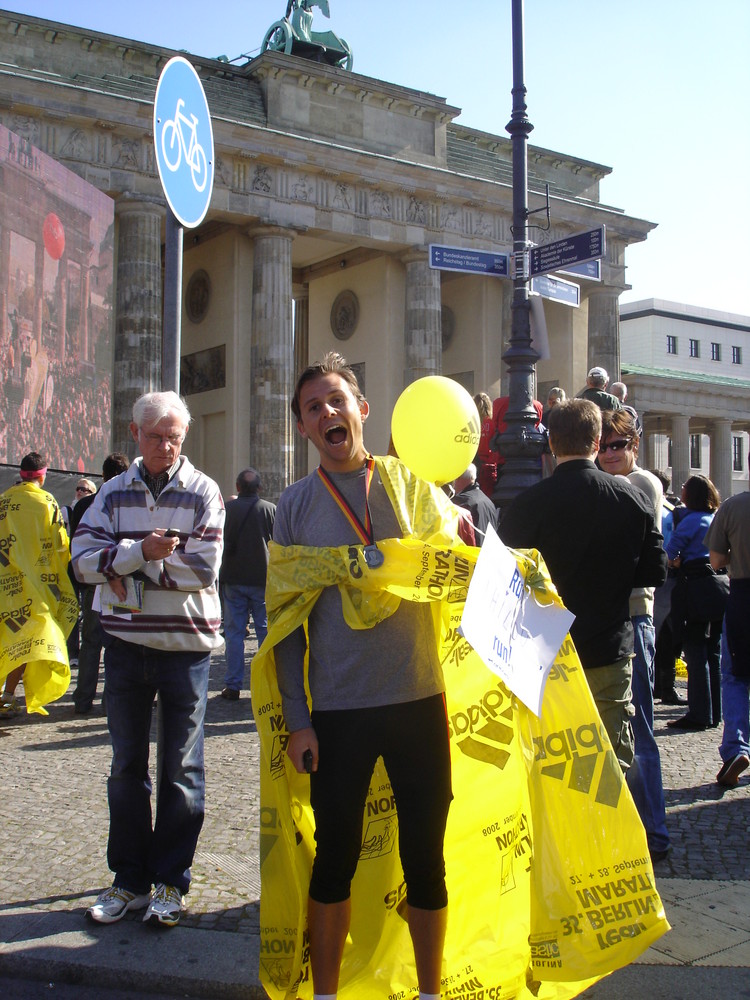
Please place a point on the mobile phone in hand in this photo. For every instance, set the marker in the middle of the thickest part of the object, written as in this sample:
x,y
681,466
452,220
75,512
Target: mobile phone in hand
x,y
307,760
171,533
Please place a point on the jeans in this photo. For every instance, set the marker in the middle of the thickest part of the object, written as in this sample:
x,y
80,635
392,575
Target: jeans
x,y
89,653
735,701
138,853
239,602
702,645
644,777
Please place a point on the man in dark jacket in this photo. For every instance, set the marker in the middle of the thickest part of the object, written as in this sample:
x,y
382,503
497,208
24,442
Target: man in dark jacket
x,y
248,529
599,540
470,497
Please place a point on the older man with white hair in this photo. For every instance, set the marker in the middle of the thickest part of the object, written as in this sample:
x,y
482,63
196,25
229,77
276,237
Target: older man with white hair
x,y
152,541
597,381
470,497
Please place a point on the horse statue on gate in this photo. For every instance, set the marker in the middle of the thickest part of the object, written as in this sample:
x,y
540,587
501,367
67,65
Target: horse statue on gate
x,y
293,35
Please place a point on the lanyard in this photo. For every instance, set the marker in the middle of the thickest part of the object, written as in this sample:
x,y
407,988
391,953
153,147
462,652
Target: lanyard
x,y
373,556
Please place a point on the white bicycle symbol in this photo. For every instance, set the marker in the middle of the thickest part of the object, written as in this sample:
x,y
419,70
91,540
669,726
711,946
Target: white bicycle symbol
x,y
173,146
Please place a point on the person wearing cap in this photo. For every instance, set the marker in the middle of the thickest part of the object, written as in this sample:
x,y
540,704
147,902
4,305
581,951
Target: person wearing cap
x,y
597,381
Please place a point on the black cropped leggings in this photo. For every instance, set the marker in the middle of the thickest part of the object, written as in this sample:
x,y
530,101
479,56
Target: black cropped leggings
x,y
412,739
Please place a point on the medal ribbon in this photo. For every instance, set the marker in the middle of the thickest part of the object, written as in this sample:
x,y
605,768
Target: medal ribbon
x,y
364,531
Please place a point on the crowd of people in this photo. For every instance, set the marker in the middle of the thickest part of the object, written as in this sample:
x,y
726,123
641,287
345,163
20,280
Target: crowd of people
x,y
69,422
153,547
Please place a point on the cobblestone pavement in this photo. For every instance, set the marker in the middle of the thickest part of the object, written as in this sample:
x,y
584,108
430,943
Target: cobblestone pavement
x,y
55,817
54,833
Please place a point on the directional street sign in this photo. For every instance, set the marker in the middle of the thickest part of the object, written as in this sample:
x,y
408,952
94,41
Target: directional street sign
x,y
472,261
184,142
591,269
566,292
573,250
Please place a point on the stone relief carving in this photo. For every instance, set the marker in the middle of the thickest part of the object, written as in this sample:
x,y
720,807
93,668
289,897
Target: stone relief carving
x,y
126,152
482,225
261,180
344,315
302,190
380,204
76,146
26,126
415,211
222,172
341,198
450,219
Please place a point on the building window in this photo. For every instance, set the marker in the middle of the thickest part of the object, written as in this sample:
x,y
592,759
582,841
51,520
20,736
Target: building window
x,y
671,344
695,451
695,348
737,453
715,351
736,355
669,453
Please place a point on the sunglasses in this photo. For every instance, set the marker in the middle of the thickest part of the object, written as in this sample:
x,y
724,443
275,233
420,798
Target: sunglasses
x,y
614,446
83,489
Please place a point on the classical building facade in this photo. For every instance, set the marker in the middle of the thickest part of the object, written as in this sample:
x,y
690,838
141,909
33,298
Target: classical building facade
x,y
688,374
329,188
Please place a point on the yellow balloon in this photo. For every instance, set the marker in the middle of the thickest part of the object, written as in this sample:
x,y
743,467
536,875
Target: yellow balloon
x,y
435,428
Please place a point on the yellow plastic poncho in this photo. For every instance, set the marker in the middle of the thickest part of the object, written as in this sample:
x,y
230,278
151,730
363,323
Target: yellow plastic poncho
x,y
550,883
38,607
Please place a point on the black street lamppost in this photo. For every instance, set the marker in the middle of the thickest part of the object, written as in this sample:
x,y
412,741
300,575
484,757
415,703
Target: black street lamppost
x,y
521,444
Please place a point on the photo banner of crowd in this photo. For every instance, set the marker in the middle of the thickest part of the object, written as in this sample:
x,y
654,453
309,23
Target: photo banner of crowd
x,y
56,315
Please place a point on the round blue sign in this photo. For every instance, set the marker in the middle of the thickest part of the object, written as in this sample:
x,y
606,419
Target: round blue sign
x,y
184,142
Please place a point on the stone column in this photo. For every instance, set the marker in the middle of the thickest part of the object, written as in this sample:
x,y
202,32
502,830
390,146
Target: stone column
x,y
646,451
604,330
138,311
680,451
301,361
423,353
720,462
272,358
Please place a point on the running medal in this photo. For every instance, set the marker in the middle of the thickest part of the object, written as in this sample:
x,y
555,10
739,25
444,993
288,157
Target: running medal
x,y
373,556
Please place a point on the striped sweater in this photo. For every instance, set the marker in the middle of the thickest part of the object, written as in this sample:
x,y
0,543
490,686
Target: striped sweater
x,y
180,599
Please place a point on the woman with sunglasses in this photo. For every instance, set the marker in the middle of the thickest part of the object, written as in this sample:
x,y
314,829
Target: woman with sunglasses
x,y
618,455
698,602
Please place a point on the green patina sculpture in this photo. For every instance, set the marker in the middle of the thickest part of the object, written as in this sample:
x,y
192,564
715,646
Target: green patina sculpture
x,y
293,35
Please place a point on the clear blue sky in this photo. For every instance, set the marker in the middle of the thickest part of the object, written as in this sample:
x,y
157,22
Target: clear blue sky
x,y
656,89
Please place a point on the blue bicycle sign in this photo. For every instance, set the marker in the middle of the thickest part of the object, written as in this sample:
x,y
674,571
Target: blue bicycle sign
x,y
184,142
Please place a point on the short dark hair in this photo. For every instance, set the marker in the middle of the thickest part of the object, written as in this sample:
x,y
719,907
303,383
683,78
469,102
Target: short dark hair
x,y
248,482
663,478
114,464
575,426
701,494
331,363
33,462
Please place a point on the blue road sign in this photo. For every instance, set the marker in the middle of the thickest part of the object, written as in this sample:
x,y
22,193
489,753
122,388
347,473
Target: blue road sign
x,y
573,250
472,261
184,142
566,292
591,269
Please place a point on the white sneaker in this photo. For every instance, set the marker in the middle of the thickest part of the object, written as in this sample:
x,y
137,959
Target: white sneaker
x,y
165,907
112,904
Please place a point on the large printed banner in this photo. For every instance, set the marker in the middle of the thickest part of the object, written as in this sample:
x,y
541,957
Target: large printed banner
x,y
549,876
56,307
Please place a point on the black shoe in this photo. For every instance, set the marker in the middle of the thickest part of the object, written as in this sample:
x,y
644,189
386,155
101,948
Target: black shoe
x,y
671,698
729,775
83,709
685,722
657,856
230,694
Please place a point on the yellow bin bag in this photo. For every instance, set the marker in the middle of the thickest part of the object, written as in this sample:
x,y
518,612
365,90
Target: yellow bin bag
x,y
549,879
38,606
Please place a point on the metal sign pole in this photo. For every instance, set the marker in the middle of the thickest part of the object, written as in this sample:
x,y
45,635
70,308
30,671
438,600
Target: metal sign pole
x,y
172,322
521,444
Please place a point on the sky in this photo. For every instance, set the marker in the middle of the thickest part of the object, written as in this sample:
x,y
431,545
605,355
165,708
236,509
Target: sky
x,y
657,90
